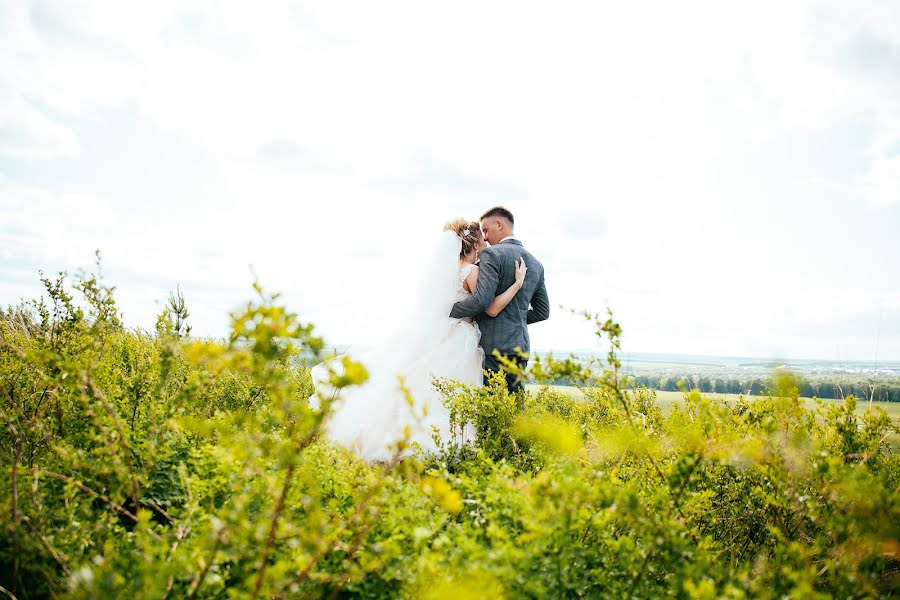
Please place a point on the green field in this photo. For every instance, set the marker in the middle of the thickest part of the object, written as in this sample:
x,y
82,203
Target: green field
x,y
159,465
666,399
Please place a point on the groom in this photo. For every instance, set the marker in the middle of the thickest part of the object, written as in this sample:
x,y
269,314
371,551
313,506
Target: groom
x,y
497,271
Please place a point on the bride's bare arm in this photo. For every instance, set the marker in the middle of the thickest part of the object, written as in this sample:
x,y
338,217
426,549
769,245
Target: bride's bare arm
x,y
500,302
471,281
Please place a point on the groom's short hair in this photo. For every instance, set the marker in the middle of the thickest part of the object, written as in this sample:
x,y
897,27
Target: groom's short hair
x,y
499,211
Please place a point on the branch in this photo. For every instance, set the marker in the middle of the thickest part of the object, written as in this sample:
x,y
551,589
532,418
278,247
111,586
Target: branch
x,y
53,551
116,507
273,527
279,506
122,439
198,580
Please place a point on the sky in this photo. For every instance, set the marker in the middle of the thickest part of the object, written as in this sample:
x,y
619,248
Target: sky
x,y
724,176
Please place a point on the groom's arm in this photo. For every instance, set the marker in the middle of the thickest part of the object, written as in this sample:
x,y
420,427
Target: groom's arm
x,y
488,282
540,304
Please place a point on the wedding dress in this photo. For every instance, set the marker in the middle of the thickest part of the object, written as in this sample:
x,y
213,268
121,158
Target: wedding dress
x,y
371,417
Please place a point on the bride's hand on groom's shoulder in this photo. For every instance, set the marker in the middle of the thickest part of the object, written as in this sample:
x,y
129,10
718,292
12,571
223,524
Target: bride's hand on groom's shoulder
x,y
521,270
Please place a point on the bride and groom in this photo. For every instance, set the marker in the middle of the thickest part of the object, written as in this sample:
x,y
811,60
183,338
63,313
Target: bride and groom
x,y
492,288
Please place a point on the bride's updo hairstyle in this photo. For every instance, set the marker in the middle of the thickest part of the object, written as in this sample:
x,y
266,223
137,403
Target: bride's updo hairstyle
x,y
468,231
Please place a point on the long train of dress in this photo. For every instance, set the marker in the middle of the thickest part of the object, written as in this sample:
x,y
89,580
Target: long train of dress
x,y
370,417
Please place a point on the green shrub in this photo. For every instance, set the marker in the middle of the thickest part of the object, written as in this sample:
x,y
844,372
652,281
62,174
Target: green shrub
x,y
157,465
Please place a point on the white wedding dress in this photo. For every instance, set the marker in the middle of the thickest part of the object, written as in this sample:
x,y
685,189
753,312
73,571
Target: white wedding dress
x,y
371,417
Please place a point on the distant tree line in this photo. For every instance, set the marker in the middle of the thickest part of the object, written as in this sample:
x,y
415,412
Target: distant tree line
x,y
825,387
821,387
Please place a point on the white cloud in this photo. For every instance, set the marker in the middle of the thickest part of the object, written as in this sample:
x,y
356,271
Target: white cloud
x,y
63,70
26,132
339,136
882,183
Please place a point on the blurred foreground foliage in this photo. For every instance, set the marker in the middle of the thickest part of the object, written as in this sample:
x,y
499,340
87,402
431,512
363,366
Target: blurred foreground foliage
x,y
155,465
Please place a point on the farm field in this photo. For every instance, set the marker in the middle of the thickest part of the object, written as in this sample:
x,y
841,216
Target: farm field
x,y
666,399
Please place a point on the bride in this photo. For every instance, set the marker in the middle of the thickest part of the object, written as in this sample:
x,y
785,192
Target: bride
x,y
370,417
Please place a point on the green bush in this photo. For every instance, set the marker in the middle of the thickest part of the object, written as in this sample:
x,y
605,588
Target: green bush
x,y
156,465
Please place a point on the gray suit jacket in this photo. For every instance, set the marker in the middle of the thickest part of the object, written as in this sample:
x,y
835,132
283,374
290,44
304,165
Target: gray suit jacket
x,y
497,271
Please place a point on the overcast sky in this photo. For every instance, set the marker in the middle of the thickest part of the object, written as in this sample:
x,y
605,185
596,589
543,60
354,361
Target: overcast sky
x,y
724,175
